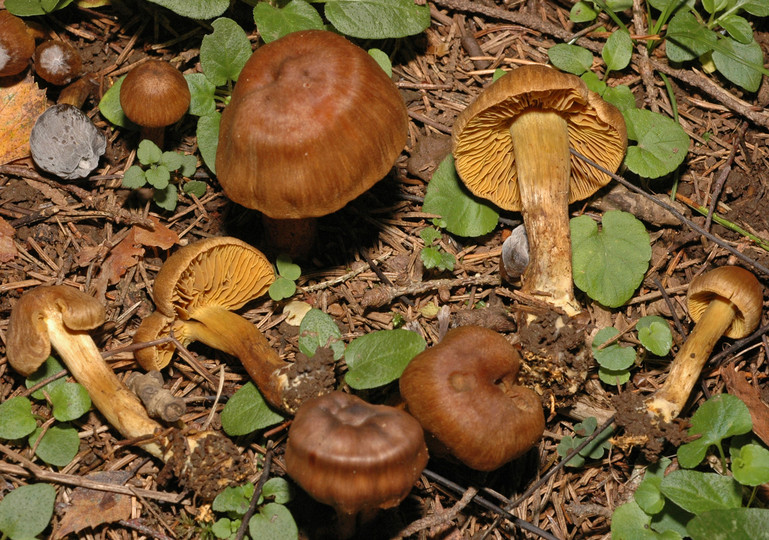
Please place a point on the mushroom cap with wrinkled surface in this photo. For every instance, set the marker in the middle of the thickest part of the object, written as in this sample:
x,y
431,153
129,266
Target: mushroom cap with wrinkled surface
x,y
353,455
28,342
154,94
483,149
312,124
732,283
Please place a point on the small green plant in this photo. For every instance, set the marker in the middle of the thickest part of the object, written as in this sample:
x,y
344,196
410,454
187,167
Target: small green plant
x,y
26,511
284,285
162,170
432,255
28,8
593,450
59,443
702,505
272,519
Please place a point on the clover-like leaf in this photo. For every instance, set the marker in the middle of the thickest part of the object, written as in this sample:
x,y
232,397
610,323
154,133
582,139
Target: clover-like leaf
x,y
380,357
70,401
158,176
281,288
224,52
16,419
148,152
277,489
134,177
58,446
662,143
234,499
50,367
246,411
614,357
189,165
287,268
377,19
750,465
166,198
26,511
195,187
273,22
655,335
570,58
274,522
172,160
317,329
609,264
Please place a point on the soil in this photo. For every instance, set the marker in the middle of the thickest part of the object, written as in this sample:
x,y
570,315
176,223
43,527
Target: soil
x,y
367,274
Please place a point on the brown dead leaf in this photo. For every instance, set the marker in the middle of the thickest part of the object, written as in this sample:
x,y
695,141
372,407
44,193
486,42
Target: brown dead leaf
x,y
161,237
20,105
122,257
8,250
738,385
91,508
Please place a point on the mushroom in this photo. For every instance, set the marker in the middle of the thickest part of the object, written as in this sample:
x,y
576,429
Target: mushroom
x,y
354,456
511,146
60,316
727,302
313,123
463,391
57,62
195,293
154,95
16,44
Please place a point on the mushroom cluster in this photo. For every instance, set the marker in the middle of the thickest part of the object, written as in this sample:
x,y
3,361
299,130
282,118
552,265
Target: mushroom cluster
x,y
512,147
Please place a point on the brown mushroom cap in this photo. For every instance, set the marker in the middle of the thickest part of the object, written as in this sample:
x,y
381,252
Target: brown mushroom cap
x,y
353,455
483,149
312,124
57,62
463,392
16,44
154,94
732,283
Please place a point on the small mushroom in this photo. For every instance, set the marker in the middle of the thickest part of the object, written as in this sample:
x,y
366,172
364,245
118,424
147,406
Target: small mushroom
x,y
313,123
57,62
154,95
60,317
726,301
464,393
196,292
354,456
515,254
16,44
511,146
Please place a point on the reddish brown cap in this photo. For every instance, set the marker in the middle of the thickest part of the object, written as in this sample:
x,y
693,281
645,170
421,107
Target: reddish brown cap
x,y
16,44
57,62
154,94
463,392
313,123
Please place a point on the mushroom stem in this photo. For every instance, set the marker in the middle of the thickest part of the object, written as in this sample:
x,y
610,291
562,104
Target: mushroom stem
x,y
668,401
541,146
294,237
155,134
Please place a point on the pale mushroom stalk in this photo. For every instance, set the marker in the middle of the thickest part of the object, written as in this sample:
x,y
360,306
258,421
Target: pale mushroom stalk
x,y
541,144
668,401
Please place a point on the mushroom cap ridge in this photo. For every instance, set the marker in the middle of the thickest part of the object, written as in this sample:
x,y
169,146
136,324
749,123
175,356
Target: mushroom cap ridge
x,y
154,94
482,145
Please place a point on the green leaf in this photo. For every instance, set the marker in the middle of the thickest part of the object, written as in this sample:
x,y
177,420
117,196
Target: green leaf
x,y
225,528
655,335
234,500
202,93
377,19
189,166
567,444
750,465
224,52
273,522
613,357
134,177
58,446
158,176
698,492
246,411
648,494
166,198
738,27
594,84
741,63
618,50
613,377
195,9
620,96
721,416
380,357
277,489
195,187
430,235
686,38
582,12
287,268
28,8
759,8
463,214
662,143
317,329
609,264
50,367
629,522
16,418
733,524
382,59
274,23
26,511
208,138
70,401
281,288
110,108
172,160
148,153
570,58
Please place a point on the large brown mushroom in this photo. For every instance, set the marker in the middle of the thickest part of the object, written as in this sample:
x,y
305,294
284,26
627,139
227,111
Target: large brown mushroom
x,y
511,146
313,123
464,393
17,45
59,317
726,301
354,456
196,293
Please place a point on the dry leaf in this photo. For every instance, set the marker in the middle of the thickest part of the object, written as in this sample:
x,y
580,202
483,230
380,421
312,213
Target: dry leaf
x,y
8,249
20,105
161,237
738,385
91,508
122,257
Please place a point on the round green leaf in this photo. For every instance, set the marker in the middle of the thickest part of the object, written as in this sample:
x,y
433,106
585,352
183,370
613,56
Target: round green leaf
x,y
662,143
620,96
166,198
234,499
274,23
618,50
70,401
277,489
246,411
741,63
59,445
732,524
378,358
202,93
382,59
134,177
49,368
110,107
172,160
655,335
224,52
609,264
317,329
612,357
148,153
582,12
26,511
158,176
613,377
281,288
570,58
375,19
16,418
287,268
648,495
273,522
629,522
751,466
195,187
189,166
195,9
208,138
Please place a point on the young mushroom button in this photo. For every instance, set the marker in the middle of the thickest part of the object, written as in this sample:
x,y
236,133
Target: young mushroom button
x,y
16,44
463,391
511,146
312,124
726,301
57,62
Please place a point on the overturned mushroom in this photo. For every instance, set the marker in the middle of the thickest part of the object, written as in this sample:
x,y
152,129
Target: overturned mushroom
x,y
726,301
59,317
196,292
